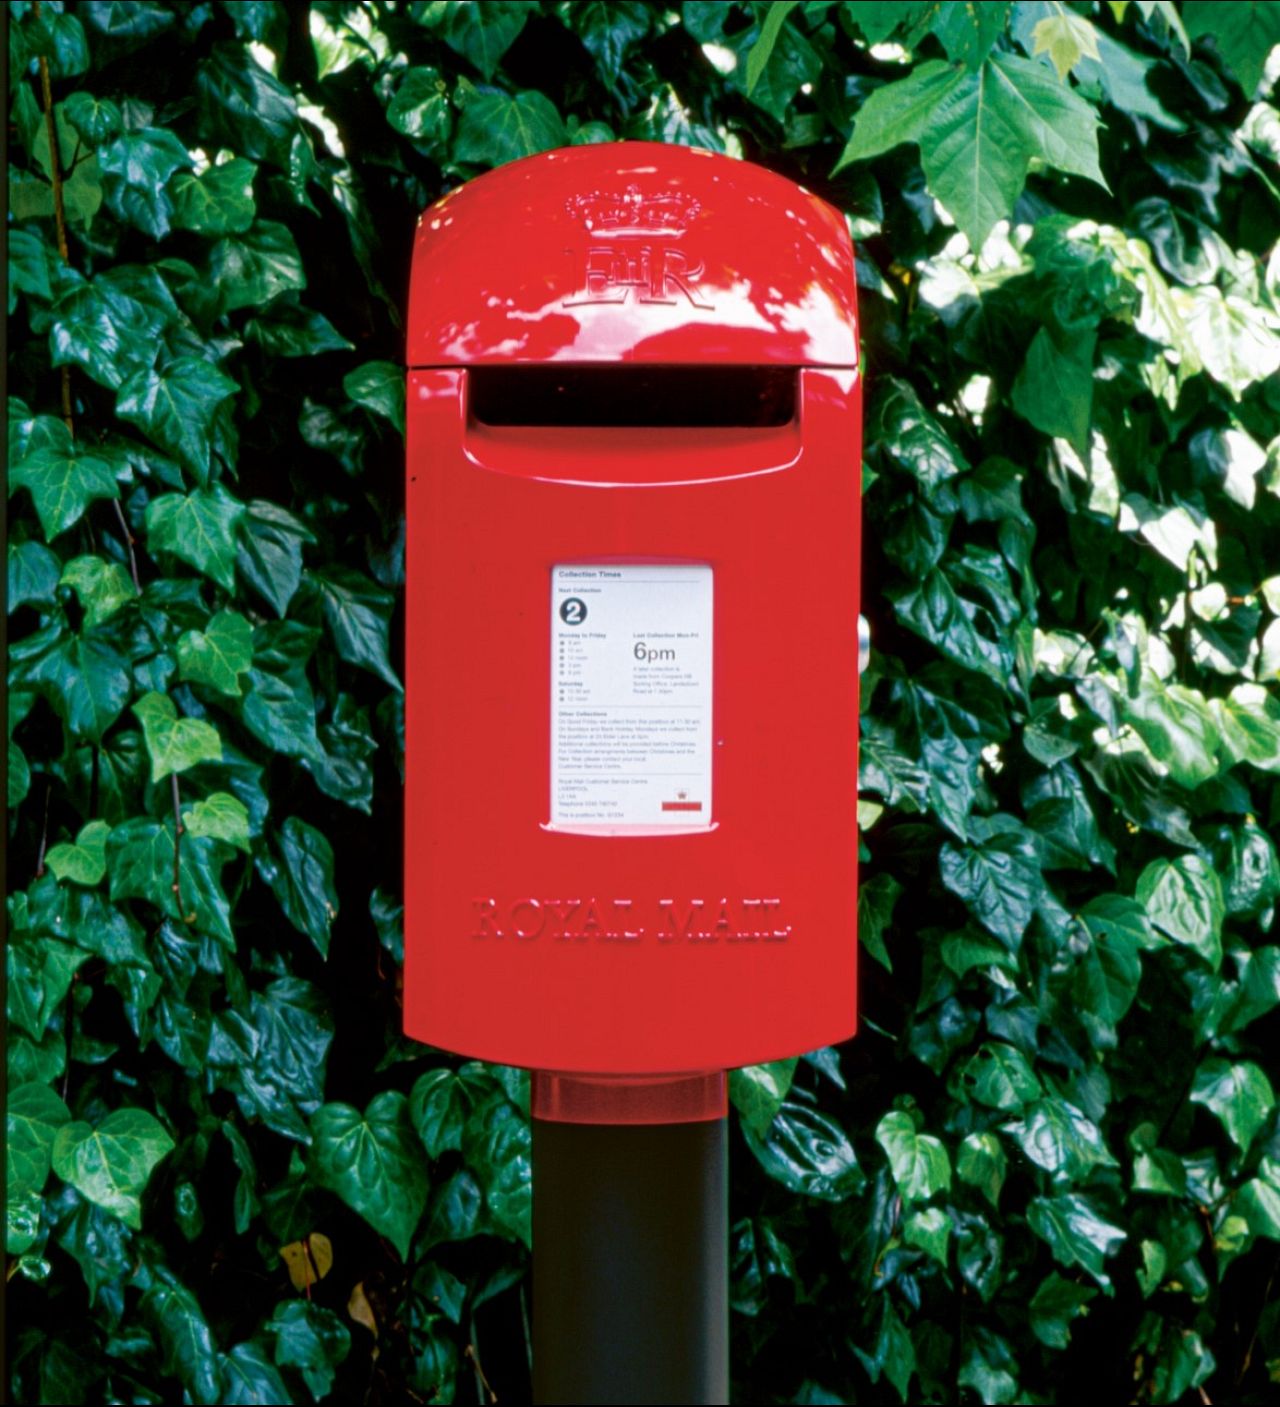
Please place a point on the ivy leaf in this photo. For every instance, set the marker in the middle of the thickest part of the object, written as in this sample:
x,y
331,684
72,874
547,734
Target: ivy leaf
x,y
919,1162
182,1335
1238,341
219,654
764,44
497,1146
279,708
420,109
109,337
1076,1233
140,864
33,575
358,614
1061,1139
1184,899
97,119
62,483
200,528
252,269
83,676
301,878
1178,726
245,108
102,587
85,860
33,1116
311,1339
1000,1076
379,387
982,1164
1055,1304
441,1102
39,977
1244,31
219,201
807,1151
272,1054
499,127
757,1092
220,816
175,408
1000,881
286,329
136,168
372,1161
484,31
174,744
111,1162
270,553
1239,1094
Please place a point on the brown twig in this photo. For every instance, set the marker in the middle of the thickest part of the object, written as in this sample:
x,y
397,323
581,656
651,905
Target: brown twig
x,y
483,1389
60,222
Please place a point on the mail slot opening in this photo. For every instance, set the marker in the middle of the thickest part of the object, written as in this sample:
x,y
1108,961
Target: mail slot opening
x,y
633,396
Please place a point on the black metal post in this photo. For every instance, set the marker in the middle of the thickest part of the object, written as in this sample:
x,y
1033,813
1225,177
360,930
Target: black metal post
x,y
630,1263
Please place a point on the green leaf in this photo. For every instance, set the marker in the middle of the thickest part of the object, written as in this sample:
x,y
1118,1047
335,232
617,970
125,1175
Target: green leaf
x,y
497,1146
1061,1139
1249,720
311,1339
105,331
136,169
182,1335
270,553
245,108
482,32
200,528
84,861
97,119
219,201
287,330
220,816
302,880
102,587
174,744
499,127
39,977
981,1163
968,32
1238,1093
252,269
1238,341
62,483
140,858
1054,389
33,1116
441,1102
1178,726
808,1152
876,899
920,1164
929,1230
374,1163
1000,1076
175,407
219,654
1053,1307
1244,32
111,1163
272,1055
84,678
358,614
420,109
33,575
978,133
999,881
1066,38
379,387
1076,1233
893,1354
1184,899
757,1092
279,708
249,1376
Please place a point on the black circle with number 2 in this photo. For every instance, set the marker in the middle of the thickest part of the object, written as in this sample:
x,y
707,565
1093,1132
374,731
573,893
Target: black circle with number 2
x,y
573,611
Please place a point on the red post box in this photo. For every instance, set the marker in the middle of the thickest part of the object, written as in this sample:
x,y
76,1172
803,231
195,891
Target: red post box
x,y
632,641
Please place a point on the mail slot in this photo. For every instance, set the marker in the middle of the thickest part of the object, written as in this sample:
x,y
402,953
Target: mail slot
x,y
633,456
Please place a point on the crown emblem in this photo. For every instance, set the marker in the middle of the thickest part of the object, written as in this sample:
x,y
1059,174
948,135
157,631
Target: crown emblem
x,y
609,215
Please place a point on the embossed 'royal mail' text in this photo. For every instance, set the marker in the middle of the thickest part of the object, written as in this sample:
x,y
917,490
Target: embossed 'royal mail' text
x,y
623,921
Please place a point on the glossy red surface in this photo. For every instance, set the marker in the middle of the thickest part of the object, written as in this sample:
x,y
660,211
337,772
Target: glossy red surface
x,y
632,251
694,1098
689,951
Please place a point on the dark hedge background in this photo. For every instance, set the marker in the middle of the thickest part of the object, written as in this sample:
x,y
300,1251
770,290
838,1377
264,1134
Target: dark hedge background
x,y
1050,1164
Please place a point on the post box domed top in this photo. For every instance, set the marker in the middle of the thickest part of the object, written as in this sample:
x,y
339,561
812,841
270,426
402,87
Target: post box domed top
x,y
632,252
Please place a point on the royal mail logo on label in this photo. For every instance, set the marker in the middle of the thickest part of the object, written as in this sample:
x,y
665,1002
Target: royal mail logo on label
x,y
633,256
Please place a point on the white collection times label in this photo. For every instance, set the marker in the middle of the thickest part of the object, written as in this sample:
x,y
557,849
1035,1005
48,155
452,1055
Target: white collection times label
x,y
631,696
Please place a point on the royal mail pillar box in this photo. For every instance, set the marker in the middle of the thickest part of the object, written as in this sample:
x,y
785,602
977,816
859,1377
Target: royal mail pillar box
x,y
632,605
